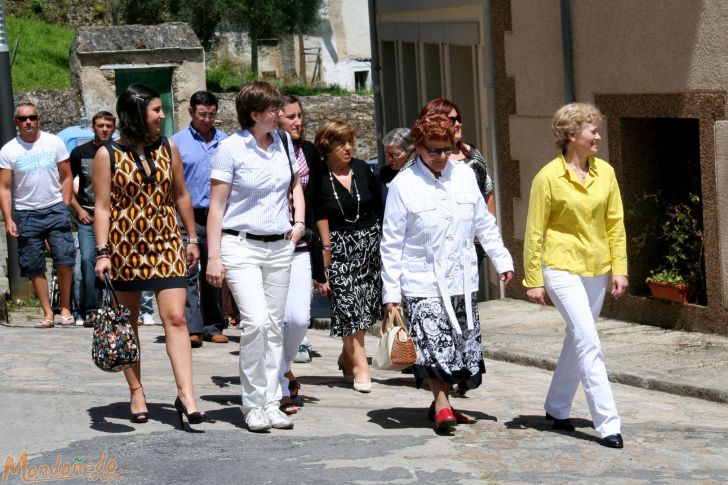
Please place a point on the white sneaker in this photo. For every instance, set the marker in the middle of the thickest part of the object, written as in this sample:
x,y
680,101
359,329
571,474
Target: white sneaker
x,y
303,356
277,418
257,420
80,322
146,319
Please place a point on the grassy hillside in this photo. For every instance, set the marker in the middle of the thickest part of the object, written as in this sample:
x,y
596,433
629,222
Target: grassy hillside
x,y
41,61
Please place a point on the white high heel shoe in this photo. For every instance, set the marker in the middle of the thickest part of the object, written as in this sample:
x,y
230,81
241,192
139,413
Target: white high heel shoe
x,y
363,386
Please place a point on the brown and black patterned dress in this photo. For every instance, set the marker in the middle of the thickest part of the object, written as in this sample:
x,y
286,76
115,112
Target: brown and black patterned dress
x,y
144,238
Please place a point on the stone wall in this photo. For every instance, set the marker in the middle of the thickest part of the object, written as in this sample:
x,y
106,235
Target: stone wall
x,y
357,110
72,13
58,109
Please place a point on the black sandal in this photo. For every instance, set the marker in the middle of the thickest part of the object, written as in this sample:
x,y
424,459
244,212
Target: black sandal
x,y
294,387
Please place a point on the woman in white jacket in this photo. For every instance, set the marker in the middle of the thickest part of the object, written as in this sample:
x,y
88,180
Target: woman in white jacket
x,y
434,210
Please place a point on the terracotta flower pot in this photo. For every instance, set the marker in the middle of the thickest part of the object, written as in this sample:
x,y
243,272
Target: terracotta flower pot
x,y
680,293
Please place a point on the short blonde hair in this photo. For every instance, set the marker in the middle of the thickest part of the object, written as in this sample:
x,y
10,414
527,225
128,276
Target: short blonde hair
x,y
332,132
570,119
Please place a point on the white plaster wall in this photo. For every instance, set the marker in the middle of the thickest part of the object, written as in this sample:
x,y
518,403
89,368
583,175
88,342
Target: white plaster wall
x,y
355,15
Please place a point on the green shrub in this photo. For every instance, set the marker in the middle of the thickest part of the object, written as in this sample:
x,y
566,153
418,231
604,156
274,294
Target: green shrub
x,y
682,230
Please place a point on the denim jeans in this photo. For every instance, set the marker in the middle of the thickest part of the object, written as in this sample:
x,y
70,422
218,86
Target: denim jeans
x,y
89,287
146,307
203,310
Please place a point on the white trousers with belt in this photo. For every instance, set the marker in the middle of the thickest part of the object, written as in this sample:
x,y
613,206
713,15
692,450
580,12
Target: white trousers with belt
x,y
258,273
579,300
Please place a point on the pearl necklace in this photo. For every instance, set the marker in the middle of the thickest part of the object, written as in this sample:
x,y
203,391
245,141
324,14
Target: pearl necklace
x,y
354,188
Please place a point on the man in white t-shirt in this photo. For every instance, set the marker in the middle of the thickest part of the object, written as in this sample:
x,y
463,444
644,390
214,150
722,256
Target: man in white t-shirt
x,y
35,193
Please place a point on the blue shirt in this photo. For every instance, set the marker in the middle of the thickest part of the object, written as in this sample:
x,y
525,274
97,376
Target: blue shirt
x,y
196,155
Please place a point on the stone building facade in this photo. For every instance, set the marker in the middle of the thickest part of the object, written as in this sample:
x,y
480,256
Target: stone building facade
x,y
655,69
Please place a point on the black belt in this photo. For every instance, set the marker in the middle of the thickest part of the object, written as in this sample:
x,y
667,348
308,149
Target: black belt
x,y
256,237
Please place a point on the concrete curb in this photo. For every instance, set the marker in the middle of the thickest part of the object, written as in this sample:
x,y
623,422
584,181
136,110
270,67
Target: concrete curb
x,y
626,378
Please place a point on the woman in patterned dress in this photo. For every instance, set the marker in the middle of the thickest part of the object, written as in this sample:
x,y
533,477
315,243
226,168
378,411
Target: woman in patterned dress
x,y
434,209
138,180
348,210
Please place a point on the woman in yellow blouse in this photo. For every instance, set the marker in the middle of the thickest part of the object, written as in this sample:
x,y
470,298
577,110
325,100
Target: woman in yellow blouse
x,y
574,244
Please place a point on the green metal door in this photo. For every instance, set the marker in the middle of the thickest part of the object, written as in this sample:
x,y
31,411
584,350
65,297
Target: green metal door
x,y
160,78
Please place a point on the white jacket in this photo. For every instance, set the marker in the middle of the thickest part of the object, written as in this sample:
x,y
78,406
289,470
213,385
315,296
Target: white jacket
x,y
428,231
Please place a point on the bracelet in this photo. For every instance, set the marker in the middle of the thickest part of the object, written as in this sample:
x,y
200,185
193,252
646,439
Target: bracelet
x,y
193,240
102,251
326,247
300,222
102,256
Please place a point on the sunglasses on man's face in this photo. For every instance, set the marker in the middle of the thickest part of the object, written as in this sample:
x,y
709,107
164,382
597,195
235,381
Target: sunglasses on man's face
x,y
26,118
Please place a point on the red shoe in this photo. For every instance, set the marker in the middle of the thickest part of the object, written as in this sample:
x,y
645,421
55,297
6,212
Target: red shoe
x,y
444,420
459,417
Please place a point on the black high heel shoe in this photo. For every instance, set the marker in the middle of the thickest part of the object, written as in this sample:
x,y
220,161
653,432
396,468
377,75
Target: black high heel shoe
x,y
142,417
192,418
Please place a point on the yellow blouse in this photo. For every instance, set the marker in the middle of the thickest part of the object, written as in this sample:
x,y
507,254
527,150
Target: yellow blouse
x,y
572,226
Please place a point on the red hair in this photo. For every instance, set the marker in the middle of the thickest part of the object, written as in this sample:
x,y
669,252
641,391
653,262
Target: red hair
x,y
433,126
444,106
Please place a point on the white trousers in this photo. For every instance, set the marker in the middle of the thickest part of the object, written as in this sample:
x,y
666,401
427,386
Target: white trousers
x,y
579,300
257,274
298,313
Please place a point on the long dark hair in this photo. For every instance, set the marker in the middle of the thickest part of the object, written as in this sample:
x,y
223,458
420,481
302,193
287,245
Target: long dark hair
x,y
131,107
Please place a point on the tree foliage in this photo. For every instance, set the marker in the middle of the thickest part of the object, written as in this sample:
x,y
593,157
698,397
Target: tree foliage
x,y
273,18
146,12
202,16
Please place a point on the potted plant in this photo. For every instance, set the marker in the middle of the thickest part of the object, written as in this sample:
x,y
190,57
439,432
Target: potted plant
x,y
676,278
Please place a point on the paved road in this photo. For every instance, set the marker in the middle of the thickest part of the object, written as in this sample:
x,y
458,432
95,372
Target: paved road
x,y
57,406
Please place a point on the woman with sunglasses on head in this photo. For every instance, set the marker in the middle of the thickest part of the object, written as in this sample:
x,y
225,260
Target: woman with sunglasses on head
x,y
138,181
307,258
434,210
398,150
348,210
251,239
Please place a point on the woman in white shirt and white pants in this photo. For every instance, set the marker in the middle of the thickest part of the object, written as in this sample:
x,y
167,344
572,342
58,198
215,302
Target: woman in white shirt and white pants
x,y
251,242
434,210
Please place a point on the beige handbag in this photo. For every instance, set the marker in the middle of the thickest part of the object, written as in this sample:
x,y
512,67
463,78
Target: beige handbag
x,y
396,350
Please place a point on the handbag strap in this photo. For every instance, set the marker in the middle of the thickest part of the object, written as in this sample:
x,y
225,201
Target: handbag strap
x,y
394,318
113,298
399,320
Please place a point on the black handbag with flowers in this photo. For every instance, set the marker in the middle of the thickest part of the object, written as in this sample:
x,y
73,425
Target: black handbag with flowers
x,y
115,346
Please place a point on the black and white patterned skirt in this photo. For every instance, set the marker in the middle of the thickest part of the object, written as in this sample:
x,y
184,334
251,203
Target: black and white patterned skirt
x,y
441,352
356,283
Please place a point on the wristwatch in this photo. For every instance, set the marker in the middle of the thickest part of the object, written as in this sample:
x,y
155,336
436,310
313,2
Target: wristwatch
x,y
193,240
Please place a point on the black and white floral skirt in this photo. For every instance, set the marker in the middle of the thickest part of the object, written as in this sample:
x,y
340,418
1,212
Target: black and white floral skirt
x,y
356,283
441,352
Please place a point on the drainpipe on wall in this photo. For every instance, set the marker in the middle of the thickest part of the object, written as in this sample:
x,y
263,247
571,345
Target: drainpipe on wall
x,y
567,44
376,88
19,287
493,120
